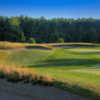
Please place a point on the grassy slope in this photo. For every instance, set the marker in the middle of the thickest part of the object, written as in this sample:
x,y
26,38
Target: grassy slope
x,y
4,56
27,57
74,66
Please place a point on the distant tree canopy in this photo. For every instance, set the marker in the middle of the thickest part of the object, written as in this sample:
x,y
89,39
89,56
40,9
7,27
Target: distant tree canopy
x,y
41,30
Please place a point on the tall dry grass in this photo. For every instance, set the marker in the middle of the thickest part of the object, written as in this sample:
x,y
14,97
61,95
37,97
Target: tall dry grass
x,y
12,45
16,74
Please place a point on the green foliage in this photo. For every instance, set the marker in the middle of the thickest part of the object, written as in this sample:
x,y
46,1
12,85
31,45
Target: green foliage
x,y
22,37
32,40
60,40
15,21
49,30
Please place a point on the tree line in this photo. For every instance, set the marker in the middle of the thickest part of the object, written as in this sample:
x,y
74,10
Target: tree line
x,y
42,30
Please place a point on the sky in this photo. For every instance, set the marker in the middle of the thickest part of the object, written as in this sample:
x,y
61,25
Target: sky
x,y
51,8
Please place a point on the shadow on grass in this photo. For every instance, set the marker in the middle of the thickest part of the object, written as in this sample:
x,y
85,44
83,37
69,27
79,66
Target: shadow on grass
x,y
38,47
76,89
82,91
72,45
89,53
67,62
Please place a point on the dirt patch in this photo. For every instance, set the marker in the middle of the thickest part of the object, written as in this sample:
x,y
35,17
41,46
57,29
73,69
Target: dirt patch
x,y
20,91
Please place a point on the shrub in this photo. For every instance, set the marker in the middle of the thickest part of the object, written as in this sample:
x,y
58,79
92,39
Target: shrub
x,y
32,40
60,40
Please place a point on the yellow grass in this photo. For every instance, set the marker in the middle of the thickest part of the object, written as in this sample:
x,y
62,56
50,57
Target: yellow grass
x,y
89,71
15,74
11,70
10,45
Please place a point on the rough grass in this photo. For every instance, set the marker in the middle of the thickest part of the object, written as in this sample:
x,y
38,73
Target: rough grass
x,y
4,56
73,69
11,45
17,74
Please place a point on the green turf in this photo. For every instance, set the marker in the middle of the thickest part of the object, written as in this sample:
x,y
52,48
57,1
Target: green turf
x,y
71,65
27,57
64,63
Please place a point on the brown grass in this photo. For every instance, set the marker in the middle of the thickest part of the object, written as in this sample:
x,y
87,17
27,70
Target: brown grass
x,y
12,45
16,74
